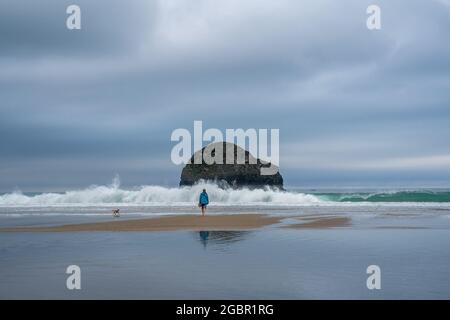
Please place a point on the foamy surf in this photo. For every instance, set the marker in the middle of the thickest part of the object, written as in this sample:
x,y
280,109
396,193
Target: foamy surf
x,y
157,195
153,195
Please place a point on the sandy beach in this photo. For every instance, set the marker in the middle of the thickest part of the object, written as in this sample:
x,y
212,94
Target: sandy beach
x,y
240,252
193,223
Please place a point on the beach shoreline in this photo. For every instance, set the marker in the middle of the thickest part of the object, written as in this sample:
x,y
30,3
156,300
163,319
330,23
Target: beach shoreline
x,y
282,254
223,222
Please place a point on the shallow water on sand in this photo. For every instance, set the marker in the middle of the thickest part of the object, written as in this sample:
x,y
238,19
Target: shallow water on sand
x,y
265,263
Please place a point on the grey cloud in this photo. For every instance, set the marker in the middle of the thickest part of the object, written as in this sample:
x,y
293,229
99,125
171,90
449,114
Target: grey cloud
x,y
113,92
38,29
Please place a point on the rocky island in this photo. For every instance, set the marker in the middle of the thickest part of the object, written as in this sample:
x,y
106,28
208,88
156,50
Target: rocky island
x,y
247,174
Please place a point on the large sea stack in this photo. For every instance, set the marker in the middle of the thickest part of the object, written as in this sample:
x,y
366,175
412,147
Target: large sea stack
x,y
234,175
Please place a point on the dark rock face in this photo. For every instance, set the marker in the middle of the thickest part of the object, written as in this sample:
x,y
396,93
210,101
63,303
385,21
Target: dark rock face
x,y
235,175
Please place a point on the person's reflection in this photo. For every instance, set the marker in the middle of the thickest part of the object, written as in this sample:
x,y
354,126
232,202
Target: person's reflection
x,y
204,235
221,237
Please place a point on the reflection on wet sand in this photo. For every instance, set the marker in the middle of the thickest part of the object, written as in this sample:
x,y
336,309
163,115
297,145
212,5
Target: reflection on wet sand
x,y
221,237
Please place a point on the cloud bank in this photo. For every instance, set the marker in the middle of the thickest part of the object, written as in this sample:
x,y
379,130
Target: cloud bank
x,y
354,107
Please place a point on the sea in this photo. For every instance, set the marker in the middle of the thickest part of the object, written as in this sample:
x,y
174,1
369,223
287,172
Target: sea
x,y
403,232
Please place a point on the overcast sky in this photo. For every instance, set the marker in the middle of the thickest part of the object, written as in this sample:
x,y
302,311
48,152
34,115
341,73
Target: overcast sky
x,y
354,107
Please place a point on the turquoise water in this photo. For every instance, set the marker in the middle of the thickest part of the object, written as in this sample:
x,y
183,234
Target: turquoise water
x,y
390,196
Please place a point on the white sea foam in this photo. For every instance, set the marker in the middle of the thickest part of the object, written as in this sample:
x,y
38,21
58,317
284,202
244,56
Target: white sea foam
x,y
157,195
152,195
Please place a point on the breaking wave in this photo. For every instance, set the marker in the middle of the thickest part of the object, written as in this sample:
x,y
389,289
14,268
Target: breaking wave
x,y
157,195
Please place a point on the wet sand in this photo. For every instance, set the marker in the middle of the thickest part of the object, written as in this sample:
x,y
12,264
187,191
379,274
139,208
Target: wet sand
x,y
321,223
165,223
193,223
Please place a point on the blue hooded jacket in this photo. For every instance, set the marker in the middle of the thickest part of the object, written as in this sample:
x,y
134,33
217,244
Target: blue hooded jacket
x,y
203,198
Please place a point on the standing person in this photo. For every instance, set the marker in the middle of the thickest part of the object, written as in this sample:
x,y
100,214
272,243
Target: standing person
x,y
203,201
